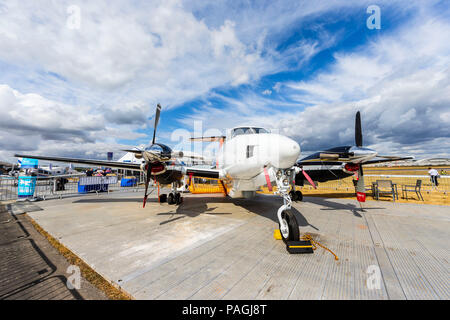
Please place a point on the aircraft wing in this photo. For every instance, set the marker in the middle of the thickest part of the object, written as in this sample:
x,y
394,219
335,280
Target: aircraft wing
x,y
389,159
102,163
337,161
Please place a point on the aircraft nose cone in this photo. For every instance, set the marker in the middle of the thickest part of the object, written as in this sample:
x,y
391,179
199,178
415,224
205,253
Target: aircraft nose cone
x,y
288,152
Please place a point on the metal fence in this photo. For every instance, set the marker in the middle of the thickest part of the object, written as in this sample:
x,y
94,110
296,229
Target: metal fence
x,y
69,185
400,180
56,187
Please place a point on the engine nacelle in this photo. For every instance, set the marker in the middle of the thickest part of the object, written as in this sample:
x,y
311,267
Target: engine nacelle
x,y
177,154
156,168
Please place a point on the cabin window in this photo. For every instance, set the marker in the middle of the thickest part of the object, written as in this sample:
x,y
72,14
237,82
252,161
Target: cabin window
x,y
260,130
250,151
247,130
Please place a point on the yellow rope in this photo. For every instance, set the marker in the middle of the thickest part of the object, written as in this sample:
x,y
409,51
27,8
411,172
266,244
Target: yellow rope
x,y
308,237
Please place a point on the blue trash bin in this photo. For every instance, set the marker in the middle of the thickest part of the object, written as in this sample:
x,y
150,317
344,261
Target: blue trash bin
x,y
26,186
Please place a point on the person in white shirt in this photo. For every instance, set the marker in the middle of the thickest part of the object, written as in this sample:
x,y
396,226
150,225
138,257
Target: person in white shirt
x,y
434,174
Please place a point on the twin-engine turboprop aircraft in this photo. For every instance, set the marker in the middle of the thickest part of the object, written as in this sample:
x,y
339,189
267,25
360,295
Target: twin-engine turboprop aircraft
x,y
249,158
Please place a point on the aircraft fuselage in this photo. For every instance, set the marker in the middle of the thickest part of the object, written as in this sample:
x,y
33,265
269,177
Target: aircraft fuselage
x,y
244,156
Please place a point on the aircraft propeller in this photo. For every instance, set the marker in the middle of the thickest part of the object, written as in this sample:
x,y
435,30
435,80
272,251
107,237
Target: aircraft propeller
x,y
155,156
351,156
149,164
360,188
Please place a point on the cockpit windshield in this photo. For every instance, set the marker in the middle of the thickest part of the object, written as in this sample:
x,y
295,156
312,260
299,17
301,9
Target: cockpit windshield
x,y
247,130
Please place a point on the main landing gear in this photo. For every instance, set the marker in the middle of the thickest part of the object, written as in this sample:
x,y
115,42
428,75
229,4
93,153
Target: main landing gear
x,y
286,219
172,198
296,195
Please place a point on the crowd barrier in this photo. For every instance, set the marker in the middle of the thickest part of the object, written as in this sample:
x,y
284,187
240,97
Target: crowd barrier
x,y
12,188
58,187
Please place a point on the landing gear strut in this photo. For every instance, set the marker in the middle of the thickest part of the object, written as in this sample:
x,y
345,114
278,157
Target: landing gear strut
x,y
286,219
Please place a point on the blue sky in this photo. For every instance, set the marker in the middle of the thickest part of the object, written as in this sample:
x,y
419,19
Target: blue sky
x,y
84,84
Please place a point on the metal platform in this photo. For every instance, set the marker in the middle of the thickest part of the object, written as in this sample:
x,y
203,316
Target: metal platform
x,y
218,248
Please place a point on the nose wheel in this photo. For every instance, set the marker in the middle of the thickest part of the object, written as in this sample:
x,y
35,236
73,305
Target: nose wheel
x,y
289,226
287,222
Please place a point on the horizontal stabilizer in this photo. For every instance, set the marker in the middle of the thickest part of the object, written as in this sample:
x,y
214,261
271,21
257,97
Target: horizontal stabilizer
x,y
209,139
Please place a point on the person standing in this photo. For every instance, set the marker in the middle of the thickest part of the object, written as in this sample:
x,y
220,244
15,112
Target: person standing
x,y
434,175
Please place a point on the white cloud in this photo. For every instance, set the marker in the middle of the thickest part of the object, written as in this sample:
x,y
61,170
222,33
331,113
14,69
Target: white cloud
x,y
128,57
30,122
150,51
400,82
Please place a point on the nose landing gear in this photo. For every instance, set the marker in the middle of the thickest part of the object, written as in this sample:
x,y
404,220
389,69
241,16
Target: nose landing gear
x,y
289,229
286,219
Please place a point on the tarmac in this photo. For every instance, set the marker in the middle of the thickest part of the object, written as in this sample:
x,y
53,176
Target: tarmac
x,y
212,247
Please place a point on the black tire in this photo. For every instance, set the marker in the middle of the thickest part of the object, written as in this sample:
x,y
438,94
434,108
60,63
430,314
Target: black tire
x,y
178,199
294,232
162,198
170,199
299,195
293,195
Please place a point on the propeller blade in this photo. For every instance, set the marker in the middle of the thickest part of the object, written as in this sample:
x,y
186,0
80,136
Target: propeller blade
x,y
358,130
147,181
309,179
158,111
133,151
360,188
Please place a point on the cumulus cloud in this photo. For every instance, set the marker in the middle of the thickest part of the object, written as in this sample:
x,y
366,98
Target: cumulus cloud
x,y
30,122
400,83
148,50
90,87
31,114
